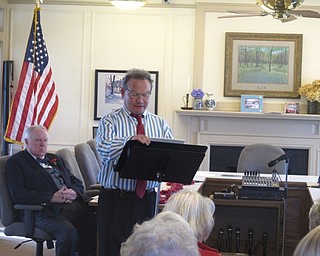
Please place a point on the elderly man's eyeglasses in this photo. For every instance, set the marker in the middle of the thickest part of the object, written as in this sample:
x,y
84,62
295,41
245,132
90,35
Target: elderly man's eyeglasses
x,y
135,95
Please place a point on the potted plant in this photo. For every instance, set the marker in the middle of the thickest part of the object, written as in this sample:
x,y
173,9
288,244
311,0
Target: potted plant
x,y
197,94
312,94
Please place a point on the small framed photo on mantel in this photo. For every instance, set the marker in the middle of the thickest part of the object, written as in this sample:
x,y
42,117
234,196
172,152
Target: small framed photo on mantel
x,y
291,108
251,103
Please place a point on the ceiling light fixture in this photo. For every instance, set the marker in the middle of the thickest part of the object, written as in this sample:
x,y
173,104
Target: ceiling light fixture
x,y
279,9
128,4
279,4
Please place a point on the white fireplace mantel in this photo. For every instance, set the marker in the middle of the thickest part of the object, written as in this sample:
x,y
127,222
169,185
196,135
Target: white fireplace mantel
x,y
222,128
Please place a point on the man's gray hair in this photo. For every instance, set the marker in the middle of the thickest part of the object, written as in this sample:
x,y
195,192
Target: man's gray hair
x,y
137,74
33,128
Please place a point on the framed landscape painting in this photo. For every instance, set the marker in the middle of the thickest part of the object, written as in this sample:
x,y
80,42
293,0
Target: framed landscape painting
x,y
263,64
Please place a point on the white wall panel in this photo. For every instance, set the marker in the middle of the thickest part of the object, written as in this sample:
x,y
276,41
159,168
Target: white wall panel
x,y
182,66
124,40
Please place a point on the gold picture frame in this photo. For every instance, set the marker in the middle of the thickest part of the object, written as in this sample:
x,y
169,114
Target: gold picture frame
x,y
263,64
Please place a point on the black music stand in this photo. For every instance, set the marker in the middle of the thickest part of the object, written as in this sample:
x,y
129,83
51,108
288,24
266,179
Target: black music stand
x,y
160,161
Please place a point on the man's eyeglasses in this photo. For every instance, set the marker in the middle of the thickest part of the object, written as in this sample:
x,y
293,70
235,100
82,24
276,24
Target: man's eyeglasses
x,y
135,95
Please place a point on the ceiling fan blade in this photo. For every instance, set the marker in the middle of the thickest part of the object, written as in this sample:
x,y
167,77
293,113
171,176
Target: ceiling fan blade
x,y
306,13
291,18
239,16
242,12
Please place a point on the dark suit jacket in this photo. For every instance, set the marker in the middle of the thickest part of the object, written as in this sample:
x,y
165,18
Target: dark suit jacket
x,y
30,183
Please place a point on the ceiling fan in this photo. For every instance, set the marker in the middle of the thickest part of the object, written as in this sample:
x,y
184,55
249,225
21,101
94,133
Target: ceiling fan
x,y
283,10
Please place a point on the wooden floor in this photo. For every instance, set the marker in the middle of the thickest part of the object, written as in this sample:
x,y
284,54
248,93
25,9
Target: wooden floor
x,y
7,245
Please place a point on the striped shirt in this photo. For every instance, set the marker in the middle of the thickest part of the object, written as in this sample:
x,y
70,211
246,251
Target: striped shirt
x,y
114,130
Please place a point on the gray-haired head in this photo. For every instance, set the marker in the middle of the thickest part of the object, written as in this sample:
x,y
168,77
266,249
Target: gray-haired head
x,y
137,74
196,209
167,234
28,132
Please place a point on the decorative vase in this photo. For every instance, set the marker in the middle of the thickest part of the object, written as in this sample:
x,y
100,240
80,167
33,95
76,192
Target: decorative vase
x,y
209,102
197,104
313,107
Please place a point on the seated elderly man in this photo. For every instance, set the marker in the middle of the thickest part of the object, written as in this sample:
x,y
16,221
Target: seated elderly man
x,y
167,234
37,177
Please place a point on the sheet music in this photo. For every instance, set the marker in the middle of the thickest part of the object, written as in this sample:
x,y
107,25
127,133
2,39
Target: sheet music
x,y
166,140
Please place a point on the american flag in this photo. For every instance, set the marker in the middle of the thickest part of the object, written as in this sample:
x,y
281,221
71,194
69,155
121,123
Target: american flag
x,y
36,100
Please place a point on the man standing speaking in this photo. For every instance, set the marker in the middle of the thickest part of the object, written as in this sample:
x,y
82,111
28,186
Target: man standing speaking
x,y
124,202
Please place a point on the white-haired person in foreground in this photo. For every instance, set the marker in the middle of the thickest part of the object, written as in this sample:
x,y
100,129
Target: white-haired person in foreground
x,y
167,234
309,245
198,211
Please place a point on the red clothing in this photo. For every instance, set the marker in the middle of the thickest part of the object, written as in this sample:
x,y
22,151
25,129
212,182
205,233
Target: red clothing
x,y
207,251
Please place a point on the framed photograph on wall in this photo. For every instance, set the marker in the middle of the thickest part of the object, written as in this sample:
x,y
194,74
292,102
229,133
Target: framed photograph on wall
x,y
263,64
107,92
251,103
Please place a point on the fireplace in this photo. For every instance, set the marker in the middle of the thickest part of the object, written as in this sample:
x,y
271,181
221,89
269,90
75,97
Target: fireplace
x,y
229,132
225,159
